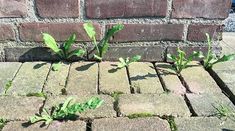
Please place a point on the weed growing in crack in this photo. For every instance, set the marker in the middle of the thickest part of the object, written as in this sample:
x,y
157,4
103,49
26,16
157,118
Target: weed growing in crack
x,y
116,95
41,94
180,61
211,59
64,51
66,111
103,45
126,62
2,123
171,122
224,112
140,115
7,86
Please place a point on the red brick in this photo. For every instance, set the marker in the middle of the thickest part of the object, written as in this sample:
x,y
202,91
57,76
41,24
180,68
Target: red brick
x,y
201,8
148,32
58,8
13,8
60,31
6,32
125,8
198,32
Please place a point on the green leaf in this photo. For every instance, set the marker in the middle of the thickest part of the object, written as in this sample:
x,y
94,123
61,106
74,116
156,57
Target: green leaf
x,y
66,103
40,94
122,63
90,30
97,57
51,43
136,58
69,42
172,57
56,66
7,86
77,52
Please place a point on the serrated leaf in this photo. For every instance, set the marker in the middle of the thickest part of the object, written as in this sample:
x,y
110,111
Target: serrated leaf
x,y
56,66
69,42
77,52
90,30
51,43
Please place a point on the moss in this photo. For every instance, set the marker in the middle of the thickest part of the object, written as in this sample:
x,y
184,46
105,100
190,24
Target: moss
x,y
2,123
139,115
172,124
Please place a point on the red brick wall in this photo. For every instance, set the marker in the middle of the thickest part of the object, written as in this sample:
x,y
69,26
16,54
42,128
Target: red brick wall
x,y
160,23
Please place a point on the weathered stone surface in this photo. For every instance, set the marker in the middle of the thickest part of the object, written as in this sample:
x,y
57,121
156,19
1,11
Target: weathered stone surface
x,y
164,104
13,8
170,78
60,31
58,126
201,9
204,124
19,108
30,78
144,78
58,8
197,32
228,76
8,71
147,53
123,124
113,80
105,110
224,66
193,77
6,31
56,80
83,79
206,104
148,32
125,8
231,87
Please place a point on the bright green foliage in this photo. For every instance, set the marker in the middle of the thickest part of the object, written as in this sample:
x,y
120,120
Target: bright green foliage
x,y
66,111
2,123
180,61
139,115
64,51
211,59
7,86
126,62
56,66
37,95
225,112
103,45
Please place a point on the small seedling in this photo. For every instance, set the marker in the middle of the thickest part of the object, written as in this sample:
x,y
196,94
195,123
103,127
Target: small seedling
x,y
2,123
126,62
211,59
103,45
224,112
7,86
139,115
64,51
180,61
66,111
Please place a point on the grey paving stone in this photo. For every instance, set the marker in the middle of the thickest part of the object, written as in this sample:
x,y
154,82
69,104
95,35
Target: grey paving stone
x,y
113,80
144,78
19,108
55,126
203,124
30,78
224,66
170,79
164,104
227,76
199,80
231,87
56,80
206,104
126,124
8,71
105,110
83,79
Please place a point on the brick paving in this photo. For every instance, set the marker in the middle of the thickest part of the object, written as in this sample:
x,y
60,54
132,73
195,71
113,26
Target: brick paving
x,y
145,88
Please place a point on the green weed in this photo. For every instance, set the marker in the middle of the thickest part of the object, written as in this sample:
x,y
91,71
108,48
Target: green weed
x,y
126,62
66,111
103,45
37,95
180,61
224,112
7,86
2,123
211,59
171,122
139,115
64,51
